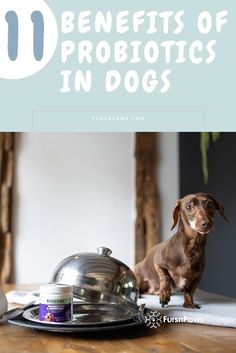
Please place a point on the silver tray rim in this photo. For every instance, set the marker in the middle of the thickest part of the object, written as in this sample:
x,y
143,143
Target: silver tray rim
x,y
20,321
30,315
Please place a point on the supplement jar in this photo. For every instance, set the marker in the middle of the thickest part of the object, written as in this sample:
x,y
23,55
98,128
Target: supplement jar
x,y
56,302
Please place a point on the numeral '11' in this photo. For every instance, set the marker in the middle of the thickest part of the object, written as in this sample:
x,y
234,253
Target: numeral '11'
x,y
38,34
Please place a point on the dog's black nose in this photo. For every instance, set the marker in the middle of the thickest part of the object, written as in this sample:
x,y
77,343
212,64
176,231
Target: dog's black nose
x,y
206,224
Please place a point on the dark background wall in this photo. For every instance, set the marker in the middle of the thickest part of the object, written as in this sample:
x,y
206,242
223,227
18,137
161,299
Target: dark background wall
x,y
220,272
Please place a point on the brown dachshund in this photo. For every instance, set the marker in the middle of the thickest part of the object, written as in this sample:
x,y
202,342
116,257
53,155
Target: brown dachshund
x,y
177,264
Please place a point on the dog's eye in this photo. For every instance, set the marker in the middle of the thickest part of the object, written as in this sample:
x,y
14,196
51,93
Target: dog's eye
x,y
188,207
210,204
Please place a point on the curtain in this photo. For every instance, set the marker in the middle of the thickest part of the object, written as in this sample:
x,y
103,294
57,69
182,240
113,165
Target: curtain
x,y
6,186
147,226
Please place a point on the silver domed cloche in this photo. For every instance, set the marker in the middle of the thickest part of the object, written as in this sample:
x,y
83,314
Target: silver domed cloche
x,y
98,278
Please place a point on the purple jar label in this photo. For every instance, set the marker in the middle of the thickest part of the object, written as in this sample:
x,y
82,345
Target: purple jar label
x,y
55,312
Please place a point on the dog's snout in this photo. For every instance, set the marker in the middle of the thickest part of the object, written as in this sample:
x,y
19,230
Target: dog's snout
x,y
206,223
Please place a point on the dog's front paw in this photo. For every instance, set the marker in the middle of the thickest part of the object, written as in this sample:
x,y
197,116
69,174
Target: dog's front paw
x,y
191,305
164,296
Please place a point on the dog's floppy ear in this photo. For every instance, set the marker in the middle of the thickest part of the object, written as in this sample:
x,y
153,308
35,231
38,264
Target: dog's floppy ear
x,y
176,214
220,208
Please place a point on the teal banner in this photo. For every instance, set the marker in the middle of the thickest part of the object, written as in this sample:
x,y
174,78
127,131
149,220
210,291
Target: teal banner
x,y
117,66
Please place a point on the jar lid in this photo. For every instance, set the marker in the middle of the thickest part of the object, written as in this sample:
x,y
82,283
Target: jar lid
x,y
52,288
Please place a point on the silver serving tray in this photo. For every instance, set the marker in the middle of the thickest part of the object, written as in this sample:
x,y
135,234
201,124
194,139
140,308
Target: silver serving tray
x,y
124,325
87,314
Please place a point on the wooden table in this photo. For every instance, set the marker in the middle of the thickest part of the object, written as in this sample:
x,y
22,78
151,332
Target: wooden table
x,y
169,338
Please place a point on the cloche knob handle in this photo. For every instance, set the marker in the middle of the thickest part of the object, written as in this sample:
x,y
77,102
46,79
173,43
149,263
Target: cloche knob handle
x,y
104,251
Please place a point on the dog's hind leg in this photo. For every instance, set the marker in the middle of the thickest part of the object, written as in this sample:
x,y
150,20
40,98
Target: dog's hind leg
x,y
153,287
